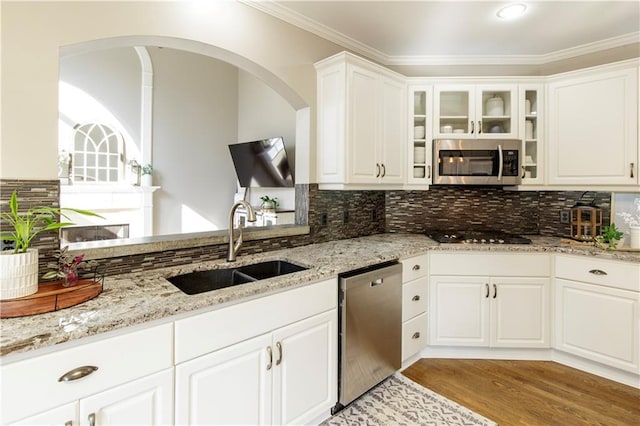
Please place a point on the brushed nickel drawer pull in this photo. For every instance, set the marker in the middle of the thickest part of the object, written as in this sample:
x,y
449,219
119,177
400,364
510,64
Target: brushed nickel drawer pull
x,y
486,286
270,352
384,170
597,272
415,298
495,291
416,267
416,335
92,419
77,373
377,170
632,167
279,346
429,172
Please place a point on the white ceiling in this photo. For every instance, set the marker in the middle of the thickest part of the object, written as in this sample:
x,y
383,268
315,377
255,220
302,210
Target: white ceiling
x,y
464,32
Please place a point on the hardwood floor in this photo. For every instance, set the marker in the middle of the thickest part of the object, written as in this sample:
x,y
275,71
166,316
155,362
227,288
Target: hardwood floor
x,y
529,392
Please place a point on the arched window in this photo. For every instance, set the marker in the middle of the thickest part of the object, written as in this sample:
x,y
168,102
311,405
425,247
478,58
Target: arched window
x,y
98,154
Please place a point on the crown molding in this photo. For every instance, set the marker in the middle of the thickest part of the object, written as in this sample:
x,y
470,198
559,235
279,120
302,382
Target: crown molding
x,y
285,14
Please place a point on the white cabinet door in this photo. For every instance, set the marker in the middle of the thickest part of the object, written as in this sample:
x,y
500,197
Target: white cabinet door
x,y
420,130
362,125
593,129
453,111
229,386
459,311
484,311
147,401
66,415
520,312
305,369
392,152
599,323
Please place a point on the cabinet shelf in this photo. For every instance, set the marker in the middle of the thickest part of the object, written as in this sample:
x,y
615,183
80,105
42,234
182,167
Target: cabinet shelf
x,y
454,117
496,117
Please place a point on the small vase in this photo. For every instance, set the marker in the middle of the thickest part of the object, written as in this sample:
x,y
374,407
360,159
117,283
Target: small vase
x,y
634,232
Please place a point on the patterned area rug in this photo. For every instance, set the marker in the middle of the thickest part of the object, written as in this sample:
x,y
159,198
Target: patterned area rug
x,y
400,401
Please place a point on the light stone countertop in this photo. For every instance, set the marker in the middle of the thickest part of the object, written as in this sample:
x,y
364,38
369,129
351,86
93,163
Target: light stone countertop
x,y
137,298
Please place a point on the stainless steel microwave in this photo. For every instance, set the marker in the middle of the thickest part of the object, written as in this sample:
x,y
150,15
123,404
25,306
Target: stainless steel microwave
x,y
477,161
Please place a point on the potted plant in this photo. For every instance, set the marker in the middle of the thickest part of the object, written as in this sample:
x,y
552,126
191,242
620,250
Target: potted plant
x,y
147,171
610,237
268,203
19,267
68,267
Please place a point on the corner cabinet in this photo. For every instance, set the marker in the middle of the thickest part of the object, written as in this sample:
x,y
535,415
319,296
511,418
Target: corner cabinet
x,y
597,313
361,124
593,127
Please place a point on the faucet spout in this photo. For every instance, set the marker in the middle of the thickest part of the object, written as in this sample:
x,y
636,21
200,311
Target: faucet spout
x,y
234,247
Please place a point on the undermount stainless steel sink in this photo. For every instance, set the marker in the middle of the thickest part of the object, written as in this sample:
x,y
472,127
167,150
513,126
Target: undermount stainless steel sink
x,y
215,279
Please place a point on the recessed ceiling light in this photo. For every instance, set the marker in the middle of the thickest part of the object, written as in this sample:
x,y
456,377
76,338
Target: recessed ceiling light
x,y
511,11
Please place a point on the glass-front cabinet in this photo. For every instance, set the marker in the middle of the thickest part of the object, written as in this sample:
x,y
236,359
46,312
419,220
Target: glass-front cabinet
x,y
531,132
420,135
475,111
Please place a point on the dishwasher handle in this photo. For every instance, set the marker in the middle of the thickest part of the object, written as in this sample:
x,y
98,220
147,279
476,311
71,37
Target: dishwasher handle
x,y
377,282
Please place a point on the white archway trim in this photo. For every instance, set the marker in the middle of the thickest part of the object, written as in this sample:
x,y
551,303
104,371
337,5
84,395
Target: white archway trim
x,y
193,46
146,105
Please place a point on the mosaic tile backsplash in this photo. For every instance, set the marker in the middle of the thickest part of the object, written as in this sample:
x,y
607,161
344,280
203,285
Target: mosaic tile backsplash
x,y
348,214
465,207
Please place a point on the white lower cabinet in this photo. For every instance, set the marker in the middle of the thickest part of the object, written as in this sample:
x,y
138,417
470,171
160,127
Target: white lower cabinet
x,y
284,377
147,401
104,386
415,292
494,311
598,311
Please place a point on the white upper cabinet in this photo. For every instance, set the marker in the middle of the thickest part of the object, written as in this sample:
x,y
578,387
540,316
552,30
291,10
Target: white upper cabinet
x,y
593,127
531,131
475,111
361,124
420,153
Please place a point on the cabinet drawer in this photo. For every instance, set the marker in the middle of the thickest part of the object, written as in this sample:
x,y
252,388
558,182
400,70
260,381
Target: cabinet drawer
x,y
414,298
491,264
217,329
414,336
415,267
32,385
610,273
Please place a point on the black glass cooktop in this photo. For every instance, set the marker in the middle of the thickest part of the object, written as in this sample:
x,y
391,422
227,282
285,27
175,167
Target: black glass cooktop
x,y
476,237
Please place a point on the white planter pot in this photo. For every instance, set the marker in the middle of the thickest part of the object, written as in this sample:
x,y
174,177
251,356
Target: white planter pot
x,y
634,232
18,274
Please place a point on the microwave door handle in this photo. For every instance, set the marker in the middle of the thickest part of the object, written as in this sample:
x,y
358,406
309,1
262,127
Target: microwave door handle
x,y
500,162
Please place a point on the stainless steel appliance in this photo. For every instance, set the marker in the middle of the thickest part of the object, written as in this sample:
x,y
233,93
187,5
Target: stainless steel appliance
x,y
370,323
477,161
476,237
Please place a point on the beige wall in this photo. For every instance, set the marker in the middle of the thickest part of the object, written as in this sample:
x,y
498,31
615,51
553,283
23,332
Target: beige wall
x,y
33,34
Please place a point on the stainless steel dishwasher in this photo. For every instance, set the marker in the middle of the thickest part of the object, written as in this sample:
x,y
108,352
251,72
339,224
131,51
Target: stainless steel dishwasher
x,y
370,323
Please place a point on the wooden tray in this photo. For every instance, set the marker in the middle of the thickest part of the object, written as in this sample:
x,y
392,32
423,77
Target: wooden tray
x,y
51,296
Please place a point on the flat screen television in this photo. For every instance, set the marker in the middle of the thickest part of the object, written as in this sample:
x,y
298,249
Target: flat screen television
x,y
262,163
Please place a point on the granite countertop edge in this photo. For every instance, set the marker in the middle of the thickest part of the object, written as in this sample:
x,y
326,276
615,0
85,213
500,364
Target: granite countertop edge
x,y
143,297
